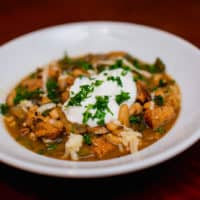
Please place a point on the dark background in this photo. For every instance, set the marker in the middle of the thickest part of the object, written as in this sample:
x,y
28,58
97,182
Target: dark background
x,y
177,179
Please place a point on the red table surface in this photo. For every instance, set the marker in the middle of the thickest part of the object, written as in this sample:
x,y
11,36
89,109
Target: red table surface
x,y
177,179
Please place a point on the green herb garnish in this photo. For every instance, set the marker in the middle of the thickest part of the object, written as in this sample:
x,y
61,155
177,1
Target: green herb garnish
x,y
136,63
85,90
123,96
46,112
160,130
87,115
159,100
4,108
87,139
135,119
22,94
84,65
162,83
138,77
126,69
101,107
98,82
51,146
118,64
157,67
53,90
116,79
67,61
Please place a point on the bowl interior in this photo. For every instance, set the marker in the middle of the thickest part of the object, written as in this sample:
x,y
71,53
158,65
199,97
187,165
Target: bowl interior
x,y
21,56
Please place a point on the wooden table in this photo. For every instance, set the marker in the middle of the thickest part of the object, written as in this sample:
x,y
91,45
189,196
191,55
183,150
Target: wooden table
x,y
177,179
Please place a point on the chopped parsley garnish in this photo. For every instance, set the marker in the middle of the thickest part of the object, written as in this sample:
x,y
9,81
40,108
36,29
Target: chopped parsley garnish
x,y
101,107
157,67
51,146
125,70
123,96
159,100
136,63
116,79
160,130
118,64
98,82
53,90
102,103
85,90
100,116
67,61
138,122
87,139
81,76
4,108
138,77
135,119
83,64
162,83
87,115
22,93
46,112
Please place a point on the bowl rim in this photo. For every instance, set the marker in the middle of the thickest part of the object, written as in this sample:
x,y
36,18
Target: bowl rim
x,y
108,170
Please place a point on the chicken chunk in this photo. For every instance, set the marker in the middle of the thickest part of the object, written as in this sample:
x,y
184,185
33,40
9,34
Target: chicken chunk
x,y
159,116
48,130
98,130
142,92
173,98
102,147
32,84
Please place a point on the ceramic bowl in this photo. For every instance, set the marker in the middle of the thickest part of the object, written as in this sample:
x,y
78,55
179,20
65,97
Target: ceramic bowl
x,y
22,55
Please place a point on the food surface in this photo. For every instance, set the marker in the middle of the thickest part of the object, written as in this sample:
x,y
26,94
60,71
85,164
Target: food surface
x,y
93,107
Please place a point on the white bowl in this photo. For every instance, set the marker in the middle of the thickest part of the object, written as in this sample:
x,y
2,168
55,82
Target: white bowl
x,y
23,55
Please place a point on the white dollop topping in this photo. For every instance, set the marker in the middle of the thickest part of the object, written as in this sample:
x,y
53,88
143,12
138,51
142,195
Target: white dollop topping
x,y
111,83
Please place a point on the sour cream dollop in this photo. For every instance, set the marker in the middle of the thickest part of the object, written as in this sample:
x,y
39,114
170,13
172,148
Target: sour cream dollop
x,y
111,83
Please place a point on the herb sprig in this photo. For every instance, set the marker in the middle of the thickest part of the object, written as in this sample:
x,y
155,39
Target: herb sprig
x,y
100,107
84,92
4,108
123,96
22,93
116,79
53,90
